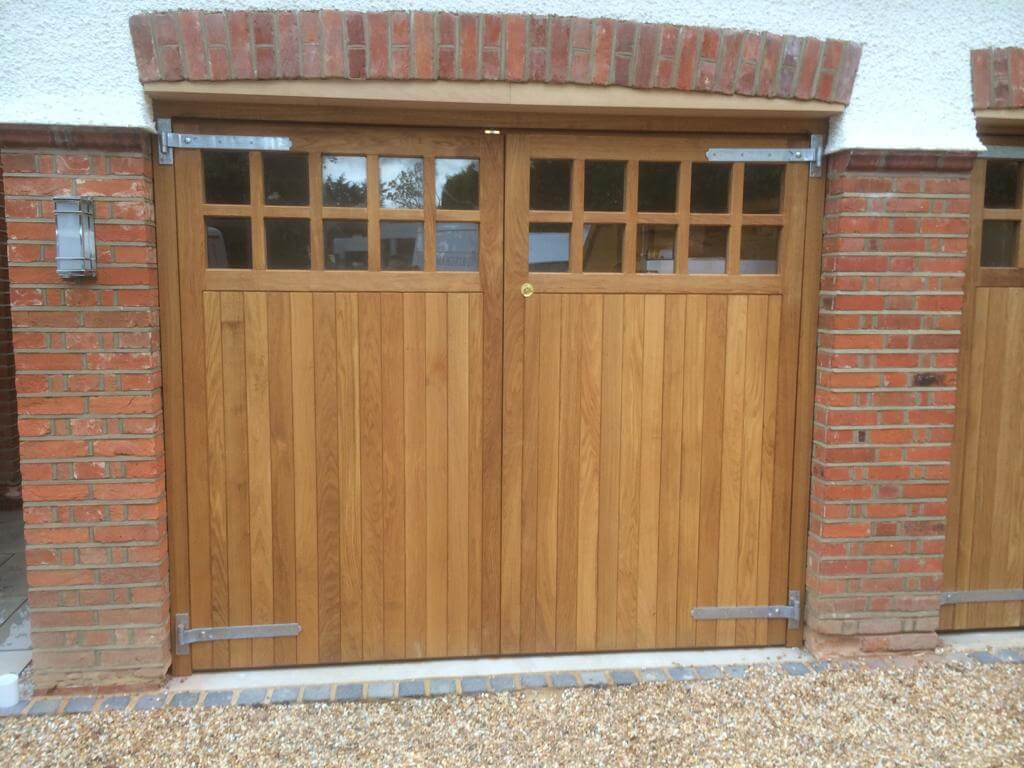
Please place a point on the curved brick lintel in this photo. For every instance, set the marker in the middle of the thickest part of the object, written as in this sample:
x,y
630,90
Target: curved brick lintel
x,y
997,77
406,45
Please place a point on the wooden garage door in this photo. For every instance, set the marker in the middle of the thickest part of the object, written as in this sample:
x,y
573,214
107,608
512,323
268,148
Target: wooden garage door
x,y
390,444
651,329
985,538
341,327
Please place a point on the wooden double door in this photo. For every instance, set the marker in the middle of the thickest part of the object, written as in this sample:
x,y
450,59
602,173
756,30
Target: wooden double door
x,y
451,393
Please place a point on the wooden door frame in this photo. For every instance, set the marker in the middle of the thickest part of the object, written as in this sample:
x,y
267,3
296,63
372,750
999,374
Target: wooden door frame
x,y
166,220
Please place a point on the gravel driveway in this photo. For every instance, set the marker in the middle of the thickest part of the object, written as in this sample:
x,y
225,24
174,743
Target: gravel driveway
x,y
932,715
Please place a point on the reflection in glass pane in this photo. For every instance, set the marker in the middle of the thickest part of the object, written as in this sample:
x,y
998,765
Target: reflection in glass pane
x,y
458,245
345,245
709,187
285,178
457,184
344,180
999,243
759,250
549,247
401,182
656,248
604,185
228,243
762,188
287,243
658,183
401,244
602,247
550,181
707,250
226,177
1001,184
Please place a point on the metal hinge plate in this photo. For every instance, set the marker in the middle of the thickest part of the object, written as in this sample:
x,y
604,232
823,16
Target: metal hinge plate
x,y
813,154
168,140
981,596
791,611
184,636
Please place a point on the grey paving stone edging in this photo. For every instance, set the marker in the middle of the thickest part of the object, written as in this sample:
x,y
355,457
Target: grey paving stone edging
x,y
468,686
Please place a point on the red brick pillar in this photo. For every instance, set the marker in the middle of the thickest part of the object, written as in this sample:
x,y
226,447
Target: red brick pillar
x,y
894,256
88,381
10,470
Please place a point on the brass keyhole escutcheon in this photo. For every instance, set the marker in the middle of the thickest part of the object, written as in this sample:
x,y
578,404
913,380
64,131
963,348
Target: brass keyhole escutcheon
x,y
527,290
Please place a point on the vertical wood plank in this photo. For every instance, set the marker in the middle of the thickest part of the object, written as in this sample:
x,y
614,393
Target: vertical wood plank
x,y
414,364
589,333
437,473
303,380
349,462
328,503
671,470
694,341
236,451
393,466
730,468
492,360
282,469
767,514
568,478
213,548
610,471
191,514
478,499
630,468
529,505
550,342
458,473
714,405
172,375
371,476
650,470
749,470
261,524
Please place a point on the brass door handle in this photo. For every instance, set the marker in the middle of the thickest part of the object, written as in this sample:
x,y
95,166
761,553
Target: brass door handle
x,y
527,290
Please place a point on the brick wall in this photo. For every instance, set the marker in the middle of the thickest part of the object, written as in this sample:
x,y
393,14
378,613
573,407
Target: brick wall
x,y
10,471
88,381
403,45
894,255
997,77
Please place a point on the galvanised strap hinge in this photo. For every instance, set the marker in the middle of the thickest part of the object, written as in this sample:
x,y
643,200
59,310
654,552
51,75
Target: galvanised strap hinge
x,y
790,611
168,140
981,596
185,636
813,154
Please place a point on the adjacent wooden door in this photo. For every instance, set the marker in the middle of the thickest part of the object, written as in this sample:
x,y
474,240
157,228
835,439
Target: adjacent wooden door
x,y
985,537
651,339
341,327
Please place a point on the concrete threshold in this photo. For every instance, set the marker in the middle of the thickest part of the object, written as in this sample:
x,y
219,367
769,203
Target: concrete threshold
x,y
981,641
507,665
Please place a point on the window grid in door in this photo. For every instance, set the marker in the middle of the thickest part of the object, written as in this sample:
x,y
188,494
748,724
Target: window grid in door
x,y
713,226
299,211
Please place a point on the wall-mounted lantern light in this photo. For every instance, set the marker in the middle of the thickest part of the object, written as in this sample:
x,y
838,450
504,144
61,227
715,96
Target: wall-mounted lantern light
x,y
76,238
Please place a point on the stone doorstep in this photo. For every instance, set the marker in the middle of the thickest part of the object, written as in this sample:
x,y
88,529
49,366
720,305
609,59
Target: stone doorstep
x,y
471,685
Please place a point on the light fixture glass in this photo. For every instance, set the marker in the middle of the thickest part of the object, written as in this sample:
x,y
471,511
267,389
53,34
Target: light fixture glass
x,y
76,238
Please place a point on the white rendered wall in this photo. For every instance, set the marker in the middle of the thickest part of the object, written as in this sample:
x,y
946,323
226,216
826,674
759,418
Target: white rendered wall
x,y
70,62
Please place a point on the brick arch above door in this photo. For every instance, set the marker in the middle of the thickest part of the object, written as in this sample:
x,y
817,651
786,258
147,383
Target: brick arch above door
x,y
403,45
